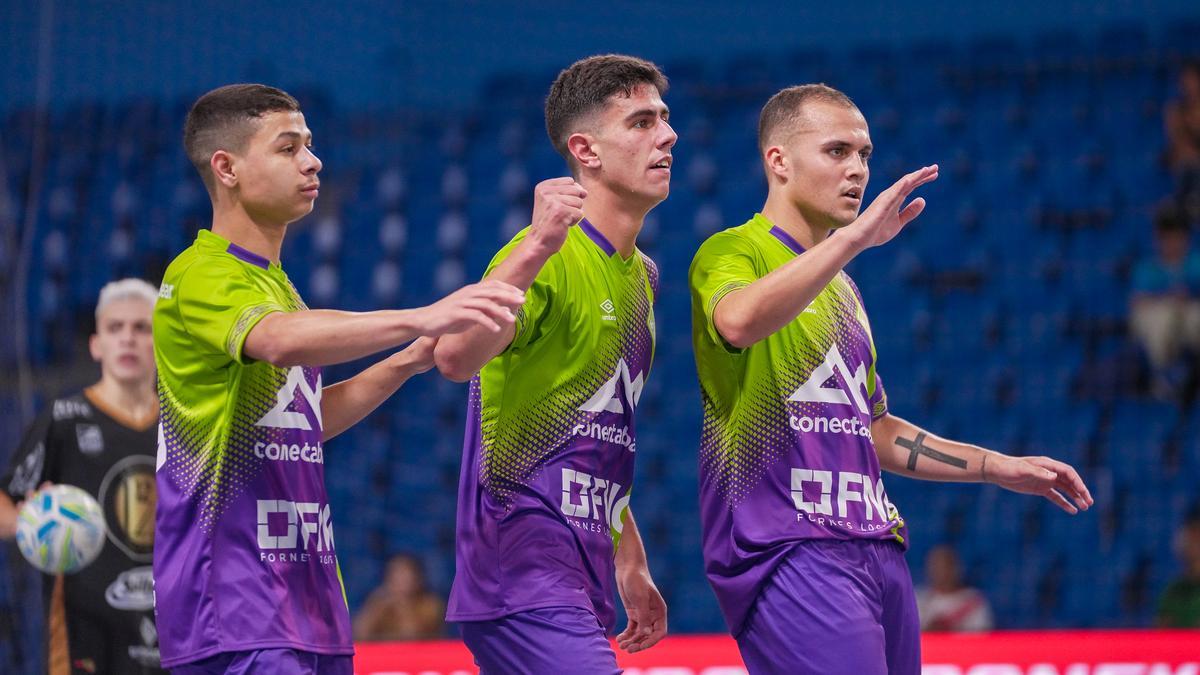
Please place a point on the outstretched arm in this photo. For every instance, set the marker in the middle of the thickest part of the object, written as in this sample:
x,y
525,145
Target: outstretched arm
x,y
557,205
908,450
344,404
323,337
755,312
644,605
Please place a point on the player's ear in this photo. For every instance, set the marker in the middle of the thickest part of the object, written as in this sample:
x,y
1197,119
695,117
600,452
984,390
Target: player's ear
x,y
221,164
582,148
94,347
776,162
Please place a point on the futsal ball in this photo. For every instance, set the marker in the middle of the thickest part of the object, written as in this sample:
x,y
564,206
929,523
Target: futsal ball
x,y
60,529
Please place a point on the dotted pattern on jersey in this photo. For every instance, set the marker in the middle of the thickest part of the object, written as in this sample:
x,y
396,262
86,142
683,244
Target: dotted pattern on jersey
x,y
220,462
737,448
518,443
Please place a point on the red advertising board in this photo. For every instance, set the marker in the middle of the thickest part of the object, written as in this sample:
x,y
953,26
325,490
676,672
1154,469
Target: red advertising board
x,y
1000,653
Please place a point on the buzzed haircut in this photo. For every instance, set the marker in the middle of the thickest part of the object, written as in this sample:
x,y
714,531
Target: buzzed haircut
x,y
125,289
586,85
786,108
224,119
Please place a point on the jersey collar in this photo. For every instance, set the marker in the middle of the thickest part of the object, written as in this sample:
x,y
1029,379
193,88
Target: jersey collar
x,y
245,255
597,237
782,235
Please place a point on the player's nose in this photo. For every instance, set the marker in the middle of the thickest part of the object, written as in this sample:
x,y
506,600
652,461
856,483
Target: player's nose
x,y
312,164
669,137
856,167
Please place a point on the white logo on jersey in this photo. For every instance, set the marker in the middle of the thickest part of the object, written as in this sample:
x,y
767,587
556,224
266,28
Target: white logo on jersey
x,y
166,291
68,408
599,499
608,308
132,590
606,397
812,391
90,439
843,487
28,473
279,417
307,524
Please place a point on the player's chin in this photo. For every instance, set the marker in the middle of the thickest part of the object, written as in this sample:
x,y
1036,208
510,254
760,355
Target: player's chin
x,y
300,209
844,216
839,220
128,373
656,193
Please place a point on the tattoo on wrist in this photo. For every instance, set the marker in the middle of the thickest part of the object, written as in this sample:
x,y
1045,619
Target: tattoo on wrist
x,y
983,469
917,447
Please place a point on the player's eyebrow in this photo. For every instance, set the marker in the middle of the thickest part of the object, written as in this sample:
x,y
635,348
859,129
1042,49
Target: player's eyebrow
x,y
829,145
648,112
293,135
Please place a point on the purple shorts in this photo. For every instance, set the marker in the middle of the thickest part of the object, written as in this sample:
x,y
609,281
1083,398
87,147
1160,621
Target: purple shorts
x,y
547,641
835,606
269,662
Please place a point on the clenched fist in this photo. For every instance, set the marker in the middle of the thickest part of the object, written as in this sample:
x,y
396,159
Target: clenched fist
x,y
557,205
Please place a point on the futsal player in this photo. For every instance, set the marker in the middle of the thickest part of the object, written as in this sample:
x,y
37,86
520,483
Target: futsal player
x,y
801,544
101,440
246,570
544,524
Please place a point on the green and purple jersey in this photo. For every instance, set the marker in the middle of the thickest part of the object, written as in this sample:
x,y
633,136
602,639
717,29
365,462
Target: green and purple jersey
x,y
550,441
244,553
786,453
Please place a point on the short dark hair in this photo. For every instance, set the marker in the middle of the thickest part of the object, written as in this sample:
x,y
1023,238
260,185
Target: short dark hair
x,y
786,108
586,85
223,119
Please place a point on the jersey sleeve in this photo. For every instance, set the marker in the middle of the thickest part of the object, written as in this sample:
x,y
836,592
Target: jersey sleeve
x,y
723,264
219,304
879,404
541,305
33,460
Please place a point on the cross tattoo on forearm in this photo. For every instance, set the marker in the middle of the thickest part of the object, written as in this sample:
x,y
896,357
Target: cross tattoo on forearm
x,y
918,447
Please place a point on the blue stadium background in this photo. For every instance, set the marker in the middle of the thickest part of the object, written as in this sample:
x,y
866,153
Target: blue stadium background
x,y
999,315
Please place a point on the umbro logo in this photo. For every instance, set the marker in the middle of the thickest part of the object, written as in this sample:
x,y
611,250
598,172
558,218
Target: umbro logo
x,y
608,308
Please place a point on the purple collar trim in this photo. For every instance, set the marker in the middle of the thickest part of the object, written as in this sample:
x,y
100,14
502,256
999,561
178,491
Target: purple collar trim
x,y
787,239
248,256
595,235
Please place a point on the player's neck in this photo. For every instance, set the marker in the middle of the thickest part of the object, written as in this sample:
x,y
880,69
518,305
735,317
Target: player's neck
x,y
784,214
135,400
232,222
615,218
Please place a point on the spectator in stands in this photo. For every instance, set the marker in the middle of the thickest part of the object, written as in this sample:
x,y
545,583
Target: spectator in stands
x,y
1182,121
945,603
1165,307
1179,606
402,608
